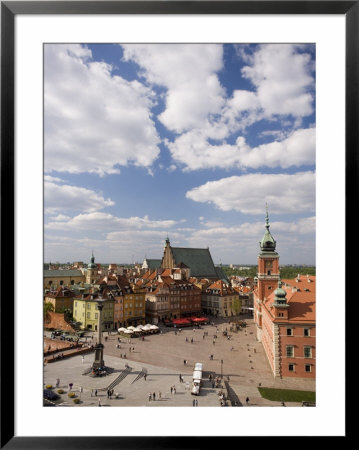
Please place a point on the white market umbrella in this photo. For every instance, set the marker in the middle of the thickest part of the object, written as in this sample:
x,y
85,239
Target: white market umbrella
x,y
121,329
153,327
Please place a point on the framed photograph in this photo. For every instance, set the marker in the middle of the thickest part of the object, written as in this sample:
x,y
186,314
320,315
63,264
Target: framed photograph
x,y
186,132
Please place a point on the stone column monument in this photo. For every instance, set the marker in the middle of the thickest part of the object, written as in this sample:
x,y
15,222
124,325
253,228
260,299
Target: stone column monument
x,y
99,362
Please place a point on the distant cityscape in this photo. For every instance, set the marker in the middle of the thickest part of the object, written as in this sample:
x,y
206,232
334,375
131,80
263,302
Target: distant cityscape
x,y
182,290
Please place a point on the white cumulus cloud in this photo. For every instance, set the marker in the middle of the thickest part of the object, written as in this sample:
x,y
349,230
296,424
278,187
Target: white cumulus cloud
x,y
248,193
189,74
64,197
194,152
94,121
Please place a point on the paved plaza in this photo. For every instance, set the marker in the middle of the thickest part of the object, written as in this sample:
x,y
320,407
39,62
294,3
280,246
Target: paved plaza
x,y
162,357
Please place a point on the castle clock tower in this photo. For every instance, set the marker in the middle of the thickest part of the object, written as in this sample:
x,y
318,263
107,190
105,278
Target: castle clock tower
x,y
268,273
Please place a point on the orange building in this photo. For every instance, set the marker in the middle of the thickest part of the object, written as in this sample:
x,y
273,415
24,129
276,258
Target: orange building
x,y
284,314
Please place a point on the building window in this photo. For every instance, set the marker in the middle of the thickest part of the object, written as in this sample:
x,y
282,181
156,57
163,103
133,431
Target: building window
x,y
291,367
88,305
96,315
290,351
88,315
289,331
306,332
61,282
50,282
307,352
308,368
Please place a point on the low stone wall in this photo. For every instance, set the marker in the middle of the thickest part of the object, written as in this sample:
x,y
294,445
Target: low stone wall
x,y
80,351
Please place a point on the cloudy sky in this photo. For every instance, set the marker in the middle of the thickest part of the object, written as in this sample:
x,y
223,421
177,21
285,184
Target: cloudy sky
x,y
145,141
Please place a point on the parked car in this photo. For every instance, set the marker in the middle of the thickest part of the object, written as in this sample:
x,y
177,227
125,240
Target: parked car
x,y
50,395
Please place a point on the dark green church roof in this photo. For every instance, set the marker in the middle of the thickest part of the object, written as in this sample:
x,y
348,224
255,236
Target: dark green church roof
x,y
153,263
199,260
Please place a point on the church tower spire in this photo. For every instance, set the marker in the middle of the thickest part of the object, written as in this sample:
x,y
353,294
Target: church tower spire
x,y
268,272
267,244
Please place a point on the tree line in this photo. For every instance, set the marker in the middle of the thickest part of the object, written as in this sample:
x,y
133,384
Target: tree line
x,y
285,271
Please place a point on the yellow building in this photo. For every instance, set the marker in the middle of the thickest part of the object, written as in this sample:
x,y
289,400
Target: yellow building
x,y
133,304
85,311
61,299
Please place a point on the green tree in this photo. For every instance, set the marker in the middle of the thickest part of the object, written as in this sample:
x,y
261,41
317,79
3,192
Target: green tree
x,y
48,307
236,306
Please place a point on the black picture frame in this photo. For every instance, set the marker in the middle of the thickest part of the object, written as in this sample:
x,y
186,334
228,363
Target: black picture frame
x,y
9,9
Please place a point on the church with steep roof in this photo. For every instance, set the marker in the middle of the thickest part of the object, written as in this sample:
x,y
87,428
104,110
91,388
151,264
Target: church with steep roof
x,y
196,262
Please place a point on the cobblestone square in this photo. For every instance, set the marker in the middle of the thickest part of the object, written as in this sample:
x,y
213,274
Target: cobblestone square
x,y
162,356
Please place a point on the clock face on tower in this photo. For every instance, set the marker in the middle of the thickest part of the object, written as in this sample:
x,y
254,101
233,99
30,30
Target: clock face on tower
x,y
268,264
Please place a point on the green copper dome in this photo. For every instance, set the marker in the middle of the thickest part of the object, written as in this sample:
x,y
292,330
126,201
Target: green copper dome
x,y
92,264
267,244
280,300
280,293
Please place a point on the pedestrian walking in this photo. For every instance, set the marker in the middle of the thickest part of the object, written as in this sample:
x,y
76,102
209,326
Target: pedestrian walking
x,y
159,395
192,341
99,402
154,396
194,402
83,359
145,376
171,389
174,389
58,382
214,341
95,392
70,386
150,396
186,339
247,400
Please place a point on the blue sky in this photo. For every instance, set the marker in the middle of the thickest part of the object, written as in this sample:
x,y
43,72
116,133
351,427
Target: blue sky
x,y
189,141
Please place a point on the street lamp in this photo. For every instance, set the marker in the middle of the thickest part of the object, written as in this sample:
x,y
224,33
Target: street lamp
x,y
221,369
